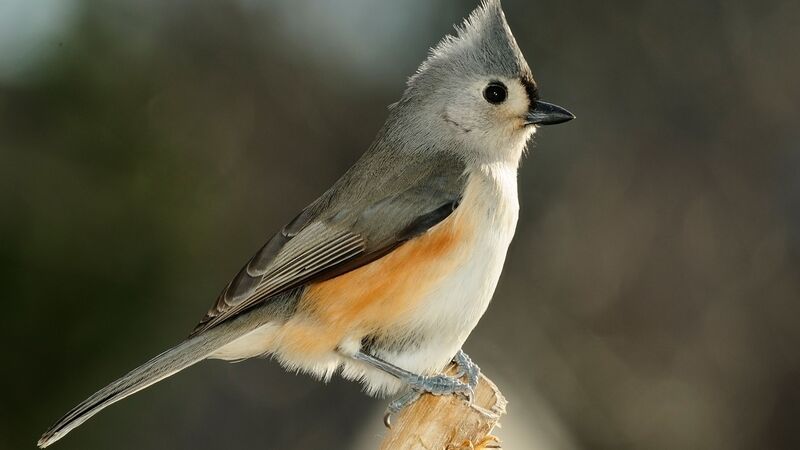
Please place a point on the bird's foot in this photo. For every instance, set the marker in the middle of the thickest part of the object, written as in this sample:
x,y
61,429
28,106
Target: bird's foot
x,y
440,385
421,384
467,368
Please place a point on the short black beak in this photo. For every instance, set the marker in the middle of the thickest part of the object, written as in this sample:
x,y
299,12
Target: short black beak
x,y
543,113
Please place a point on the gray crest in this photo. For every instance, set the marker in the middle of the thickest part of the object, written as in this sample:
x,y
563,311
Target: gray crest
x,y
483,44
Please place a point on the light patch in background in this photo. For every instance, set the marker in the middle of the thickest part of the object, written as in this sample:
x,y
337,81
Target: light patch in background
x,y
362,36
29,32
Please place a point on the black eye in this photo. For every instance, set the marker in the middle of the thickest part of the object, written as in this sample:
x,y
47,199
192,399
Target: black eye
x,y
495,93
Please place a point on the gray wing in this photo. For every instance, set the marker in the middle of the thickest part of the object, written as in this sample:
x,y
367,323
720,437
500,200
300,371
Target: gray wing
x,y
375,207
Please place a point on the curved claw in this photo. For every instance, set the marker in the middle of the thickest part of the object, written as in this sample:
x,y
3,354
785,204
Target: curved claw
x,y
470,394
398,404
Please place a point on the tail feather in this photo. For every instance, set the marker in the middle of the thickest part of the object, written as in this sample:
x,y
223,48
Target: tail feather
x,y
174,360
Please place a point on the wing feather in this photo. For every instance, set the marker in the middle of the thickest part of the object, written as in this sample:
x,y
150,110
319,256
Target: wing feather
x,y
315,249
357,221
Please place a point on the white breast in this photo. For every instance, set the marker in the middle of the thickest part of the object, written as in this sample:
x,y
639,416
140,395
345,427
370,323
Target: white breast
x,y
460,301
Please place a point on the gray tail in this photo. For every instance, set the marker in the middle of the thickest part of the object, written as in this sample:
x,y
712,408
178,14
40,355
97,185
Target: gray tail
x,y
174,360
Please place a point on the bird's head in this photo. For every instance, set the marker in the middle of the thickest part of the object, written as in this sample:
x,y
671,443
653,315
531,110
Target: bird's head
x,y
476,90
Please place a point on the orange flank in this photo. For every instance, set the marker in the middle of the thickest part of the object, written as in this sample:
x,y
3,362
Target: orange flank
x,y
380,295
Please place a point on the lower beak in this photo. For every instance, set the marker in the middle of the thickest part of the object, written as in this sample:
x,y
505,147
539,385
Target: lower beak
x,y
543,113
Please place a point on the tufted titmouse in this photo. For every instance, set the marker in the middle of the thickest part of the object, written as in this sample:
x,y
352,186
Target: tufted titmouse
x,y
386,274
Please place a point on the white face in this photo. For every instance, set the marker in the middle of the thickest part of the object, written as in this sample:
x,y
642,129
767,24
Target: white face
x,y
489,115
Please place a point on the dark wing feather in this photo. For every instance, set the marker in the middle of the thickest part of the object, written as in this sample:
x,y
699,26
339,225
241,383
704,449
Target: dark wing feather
x,y
351,225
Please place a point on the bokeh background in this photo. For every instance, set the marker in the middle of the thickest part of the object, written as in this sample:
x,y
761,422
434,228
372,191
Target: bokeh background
x,y
651,298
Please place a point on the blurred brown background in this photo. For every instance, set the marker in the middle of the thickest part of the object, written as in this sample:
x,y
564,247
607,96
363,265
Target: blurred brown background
x,y
650,299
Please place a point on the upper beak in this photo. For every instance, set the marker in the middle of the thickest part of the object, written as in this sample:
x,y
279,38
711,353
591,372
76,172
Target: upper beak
x,y
543,113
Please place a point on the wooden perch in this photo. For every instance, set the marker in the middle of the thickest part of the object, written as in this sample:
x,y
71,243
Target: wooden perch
x,y
447,422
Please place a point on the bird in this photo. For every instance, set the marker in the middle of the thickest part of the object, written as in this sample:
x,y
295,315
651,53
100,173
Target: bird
x,y
383,277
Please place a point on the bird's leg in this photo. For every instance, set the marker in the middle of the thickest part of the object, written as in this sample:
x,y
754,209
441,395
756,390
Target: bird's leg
x,y
419,384
467,368
433,384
